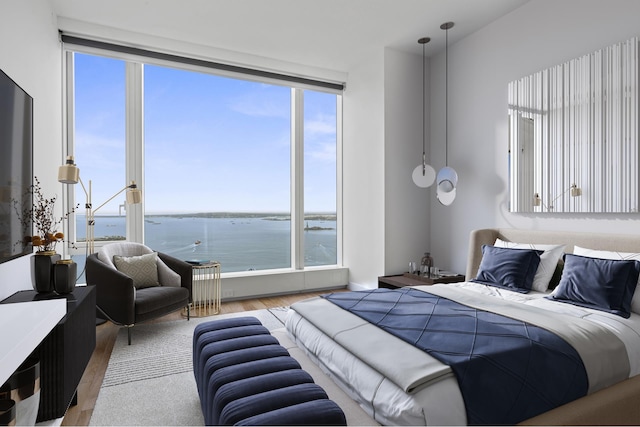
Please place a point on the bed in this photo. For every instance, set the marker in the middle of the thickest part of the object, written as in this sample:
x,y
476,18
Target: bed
x,y
578,361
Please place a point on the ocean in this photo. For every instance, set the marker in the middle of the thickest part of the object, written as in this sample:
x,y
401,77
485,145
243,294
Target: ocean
x,y
237,242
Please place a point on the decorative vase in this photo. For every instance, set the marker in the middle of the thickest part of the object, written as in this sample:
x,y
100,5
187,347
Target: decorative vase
x,y
64,276
43,263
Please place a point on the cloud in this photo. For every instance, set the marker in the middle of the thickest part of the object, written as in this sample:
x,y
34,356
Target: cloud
x,y
258,105
324,151
320,137
91,148
322,124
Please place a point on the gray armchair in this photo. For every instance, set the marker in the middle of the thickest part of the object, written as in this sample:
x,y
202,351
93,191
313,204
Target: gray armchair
x,y
135,284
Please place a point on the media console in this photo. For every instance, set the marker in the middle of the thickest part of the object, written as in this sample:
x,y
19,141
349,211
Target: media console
x,y
65,351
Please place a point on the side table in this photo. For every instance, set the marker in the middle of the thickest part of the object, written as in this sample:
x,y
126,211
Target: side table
x,y
206,289
65,352
401,280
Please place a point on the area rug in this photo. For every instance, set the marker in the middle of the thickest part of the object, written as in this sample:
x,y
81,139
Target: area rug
x,y
150,382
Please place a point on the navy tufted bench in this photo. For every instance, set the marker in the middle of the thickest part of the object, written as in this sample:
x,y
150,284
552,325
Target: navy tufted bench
x,y
245,377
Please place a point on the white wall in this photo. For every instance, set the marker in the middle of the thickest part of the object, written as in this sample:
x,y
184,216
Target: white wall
x,y
363,172
540,34
406,222
30,55
386,216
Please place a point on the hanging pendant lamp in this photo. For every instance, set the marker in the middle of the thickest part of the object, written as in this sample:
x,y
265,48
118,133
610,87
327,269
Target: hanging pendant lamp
x,y
447,178
423,175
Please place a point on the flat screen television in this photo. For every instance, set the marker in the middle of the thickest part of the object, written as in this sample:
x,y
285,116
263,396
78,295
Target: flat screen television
x,y
16,168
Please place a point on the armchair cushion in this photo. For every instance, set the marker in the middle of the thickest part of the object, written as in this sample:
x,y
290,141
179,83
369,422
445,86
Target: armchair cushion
x,y
156,301
142,269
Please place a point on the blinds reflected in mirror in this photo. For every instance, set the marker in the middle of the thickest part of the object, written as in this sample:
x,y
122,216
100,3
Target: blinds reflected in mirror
x,y
575,125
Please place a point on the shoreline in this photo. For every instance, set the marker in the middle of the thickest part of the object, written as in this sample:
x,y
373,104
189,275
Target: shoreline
x,y
269,216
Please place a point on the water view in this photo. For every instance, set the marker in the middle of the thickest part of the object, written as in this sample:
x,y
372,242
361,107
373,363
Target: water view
x,y
239,241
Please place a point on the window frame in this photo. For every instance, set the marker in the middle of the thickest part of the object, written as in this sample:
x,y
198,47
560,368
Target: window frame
x,y
134,167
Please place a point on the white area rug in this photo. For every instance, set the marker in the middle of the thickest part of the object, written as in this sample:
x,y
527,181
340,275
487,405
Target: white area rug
x,y
150,382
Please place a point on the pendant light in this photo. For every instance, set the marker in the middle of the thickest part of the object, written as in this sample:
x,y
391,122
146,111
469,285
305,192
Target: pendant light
x,y
423,175
447,178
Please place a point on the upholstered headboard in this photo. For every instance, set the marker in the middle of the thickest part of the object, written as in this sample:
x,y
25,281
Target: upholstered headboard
x,y
487,236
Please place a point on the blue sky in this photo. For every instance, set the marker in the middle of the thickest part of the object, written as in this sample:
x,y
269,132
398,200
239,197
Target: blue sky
x,y
211,143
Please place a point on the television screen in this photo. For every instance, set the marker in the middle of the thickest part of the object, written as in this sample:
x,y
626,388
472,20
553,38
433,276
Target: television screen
x,y
16,168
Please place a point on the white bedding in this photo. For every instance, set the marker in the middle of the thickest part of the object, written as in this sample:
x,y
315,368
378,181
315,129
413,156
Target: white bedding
x,y
439,403
377,395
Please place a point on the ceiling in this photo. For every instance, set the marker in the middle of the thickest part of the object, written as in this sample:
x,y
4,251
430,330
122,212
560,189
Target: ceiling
x,y
330,34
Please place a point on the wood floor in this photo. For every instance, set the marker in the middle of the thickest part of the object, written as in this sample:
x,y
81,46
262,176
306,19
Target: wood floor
x,y
80,414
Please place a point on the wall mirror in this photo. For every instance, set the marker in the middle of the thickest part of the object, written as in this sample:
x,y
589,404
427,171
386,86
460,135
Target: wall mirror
x,y
573,135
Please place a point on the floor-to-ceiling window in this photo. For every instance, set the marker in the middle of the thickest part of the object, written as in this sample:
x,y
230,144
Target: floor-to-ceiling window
x,y
217,169
214,157
320,178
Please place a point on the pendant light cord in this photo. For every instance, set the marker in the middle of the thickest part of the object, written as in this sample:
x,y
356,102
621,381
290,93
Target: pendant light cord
x,y
446,27
446,98
424,158
423,41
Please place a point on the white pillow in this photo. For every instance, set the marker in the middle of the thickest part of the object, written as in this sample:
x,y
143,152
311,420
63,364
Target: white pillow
x,y
593,253
548,261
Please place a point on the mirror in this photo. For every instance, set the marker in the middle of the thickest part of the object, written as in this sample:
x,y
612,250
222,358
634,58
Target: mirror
x,y
573,135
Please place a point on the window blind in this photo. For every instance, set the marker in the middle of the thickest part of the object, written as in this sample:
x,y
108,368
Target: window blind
x,y
96,44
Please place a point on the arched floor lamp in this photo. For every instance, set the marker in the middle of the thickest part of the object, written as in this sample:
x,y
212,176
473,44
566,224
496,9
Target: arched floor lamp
x,y
69,173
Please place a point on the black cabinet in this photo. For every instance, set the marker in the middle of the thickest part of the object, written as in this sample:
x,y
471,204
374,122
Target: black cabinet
x,y
65,352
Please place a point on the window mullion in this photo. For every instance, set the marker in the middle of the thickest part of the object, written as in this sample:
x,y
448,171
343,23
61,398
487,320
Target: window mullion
x,y
339,175
68,135
134,146
297,178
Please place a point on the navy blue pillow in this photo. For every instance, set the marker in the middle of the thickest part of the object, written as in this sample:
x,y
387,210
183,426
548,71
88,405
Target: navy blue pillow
x,y
508,268
602,284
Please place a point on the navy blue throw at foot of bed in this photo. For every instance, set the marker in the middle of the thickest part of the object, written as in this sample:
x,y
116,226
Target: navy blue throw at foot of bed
x,y
245,377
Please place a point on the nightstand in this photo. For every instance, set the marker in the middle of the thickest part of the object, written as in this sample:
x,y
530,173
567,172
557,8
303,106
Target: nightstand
x,y
406,279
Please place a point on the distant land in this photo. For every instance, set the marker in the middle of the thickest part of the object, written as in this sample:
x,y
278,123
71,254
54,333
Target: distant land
x,y
269,216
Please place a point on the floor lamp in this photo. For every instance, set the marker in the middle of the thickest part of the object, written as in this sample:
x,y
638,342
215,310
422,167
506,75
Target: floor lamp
x,y
69,173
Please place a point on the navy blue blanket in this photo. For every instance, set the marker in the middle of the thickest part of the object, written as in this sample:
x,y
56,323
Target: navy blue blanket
x,y
507,370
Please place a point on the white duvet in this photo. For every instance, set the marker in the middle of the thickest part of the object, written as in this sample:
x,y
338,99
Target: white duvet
x,y
401,385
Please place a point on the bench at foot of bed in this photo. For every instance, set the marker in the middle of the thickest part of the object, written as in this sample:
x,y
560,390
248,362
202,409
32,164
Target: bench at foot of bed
x,y
245,377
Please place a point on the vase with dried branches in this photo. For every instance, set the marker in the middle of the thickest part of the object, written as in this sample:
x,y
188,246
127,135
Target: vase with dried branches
x,y
48,234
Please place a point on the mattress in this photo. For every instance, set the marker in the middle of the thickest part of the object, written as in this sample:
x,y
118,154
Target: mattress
x,y
375,385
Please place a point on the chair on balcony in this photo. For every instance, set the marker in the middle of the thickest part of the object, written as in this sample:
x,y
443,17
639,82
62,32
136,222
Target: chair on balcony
x,y
135,284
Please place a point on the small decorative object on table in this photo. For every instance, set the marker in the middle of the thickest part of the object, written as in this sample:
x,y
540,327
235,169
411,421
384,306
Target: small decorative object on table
x,y
426,265
43,262
413,267
46,237
64,277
